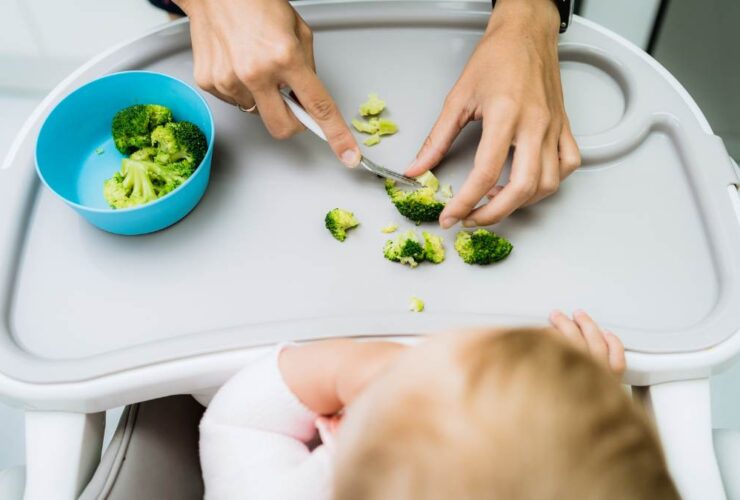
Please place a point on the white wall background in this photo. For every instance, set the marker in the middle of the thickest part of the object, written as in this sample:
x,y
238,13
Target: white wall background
x,y
43,40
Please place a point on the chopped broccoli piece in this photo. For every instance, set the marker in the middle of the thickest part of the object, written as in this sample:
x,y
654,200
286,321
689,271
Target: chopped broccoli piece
x,y
372,140
416,304
181,145
338,221
390,228
446,191
405,249
132,126
99,151
386,126
482,247
434,251
428,179
419,205
373,106
366,127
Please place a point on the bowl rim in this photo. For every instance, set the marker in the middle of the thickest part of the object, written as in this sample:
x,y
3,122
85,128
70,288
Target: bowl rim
x,y
107,210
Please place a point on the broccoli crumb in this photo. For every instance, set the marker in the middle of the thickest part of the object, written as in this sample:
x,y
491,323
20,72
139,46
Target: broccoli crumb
x,y
372,140
428,179
99,151
482,247
366,127
338,221
386,126
446,191
390,228
373,106
418,206
416,304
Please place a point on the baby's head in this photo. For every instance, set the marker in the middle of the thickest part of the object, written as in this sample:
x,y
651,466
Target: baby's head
x,y
514,415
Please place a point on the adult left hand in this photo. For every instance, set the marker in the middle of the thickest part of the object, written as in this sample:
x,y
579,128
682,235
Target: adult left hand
x,y
512,84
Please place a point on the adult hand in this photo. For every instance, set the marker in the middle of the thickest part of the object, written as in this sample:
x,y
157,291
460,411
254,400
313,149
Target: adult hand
x,y
245,50
512,84
583,332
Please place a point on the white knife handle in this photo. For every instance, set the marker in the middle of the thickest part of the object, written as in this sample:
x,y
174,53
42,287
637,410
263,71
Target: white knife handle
x,y
301,113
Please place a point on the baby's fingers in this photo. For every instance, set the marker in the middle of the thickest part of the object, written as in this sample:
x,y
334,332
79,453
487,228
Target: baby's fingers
x,y
569,329
617,361
594,337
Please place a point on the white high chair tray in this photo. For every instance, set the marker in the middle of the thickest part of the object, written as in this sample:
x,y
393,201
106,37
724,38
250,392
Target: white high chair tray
x,y
644,235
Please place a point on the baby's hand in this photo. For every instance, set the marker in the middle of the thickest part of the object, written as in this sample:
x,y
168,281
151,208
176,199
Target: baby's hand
x,y
585,334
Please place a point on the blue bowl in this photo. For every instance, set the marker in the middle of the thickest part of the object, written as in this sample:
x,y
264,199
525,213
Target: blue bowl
x,y
75,153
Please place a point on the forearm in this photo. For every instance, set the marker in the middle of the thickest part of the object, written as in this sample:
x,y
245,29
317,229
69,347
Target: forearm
x,y
328,375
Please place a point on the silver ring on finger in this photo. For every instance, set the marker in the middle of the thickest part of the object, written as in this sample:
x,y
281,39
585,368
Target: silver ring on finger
x,y
247,110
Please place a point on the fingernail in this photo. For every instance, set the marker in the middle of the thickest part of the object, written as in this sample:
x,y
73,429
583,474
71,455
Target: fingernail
x,y
470,223
448,222
351,158
556,313
578,312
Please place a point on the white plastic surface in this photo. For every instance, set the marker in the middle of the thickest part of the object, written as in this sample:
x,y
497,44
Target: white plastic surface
x,y
12,483
683,417
727,448
86,364
62,451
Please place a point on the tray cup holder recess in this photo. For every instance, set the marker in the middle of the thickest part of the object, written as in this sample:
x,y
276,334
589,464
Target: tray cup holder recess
x,y
603,101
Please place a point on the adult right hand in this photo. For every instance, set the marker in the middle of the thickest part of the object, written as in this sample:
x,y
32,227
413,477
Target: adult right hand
x,y
245,50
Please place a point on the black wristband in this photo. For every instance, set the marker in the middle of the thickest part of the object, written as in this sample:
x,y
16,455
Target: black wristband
x,y
565,9
168,6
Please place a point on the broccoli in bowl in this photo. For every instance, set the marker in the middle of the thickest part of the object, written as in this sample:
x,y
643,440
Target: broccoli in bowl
x,y
163,155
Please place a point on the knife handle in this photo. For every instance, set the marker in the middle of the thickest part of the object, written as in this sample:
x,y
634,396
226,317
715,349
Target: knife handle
x,y
301,113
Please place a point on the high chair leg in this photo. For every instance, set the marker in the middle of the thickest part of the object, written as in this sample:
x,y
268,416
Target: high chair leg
x,y
682,413
62,451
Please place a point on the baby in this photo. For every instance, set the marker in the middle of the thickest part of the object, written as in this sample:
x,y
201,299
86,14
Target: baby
x,y
510,414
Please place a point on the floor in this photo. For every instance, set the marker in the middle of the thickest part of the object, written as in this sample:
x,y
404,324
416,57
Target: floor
x,y
18,97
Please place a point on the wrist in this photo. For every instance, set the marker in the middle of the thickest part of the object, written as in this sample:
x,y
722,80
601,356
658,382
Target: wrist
x,y
529,15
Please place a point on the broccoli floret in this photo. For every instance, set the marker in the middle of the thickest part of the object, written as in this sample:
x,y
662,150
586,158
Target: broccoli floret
x,y
180,146
405,249
338,221
132,126
416,304
372,140
419,205
390,228
482,247
141,180
428,179
373,106
132,186
434,251
386,126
